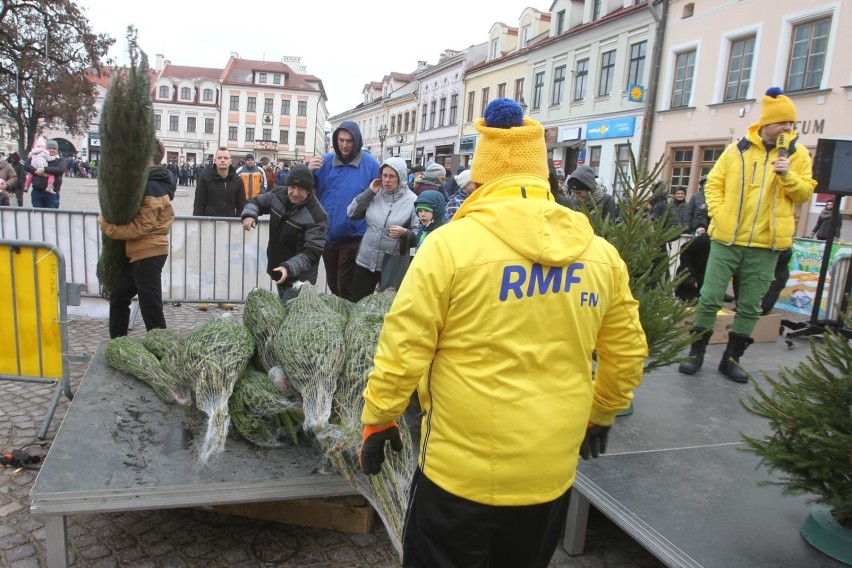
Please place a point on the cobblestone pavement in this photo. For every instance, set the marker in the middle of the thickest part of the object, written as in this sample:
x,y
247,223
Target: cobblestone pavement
x,y
196,538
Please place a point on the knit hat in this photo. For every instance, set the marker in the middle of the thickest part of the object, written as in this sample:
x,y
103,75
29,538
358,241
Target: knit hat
x,y
249,156
777,107
435,171
52,144
510,143
420,206
463,179
301,176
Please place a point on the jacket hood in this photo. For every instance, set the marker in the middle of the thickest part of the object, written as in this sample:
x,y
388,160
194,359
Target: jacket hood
x,y
753,136
351,128
520,211
585,175
161,182
435,200
398,164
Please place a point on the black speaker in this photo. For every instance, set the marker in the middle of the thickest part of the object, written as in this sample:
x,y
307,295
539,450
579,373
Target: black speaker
x,y
833,166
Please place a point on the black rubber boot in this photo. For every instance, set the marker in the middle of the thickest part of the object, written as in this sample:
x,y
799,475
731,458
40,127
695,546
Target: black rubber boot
x,y
696,351
730,364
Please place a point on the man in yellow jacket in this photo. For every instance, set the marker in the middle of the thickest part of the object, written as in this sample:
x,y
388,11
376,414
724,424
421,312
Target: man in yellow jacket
x,y
497,336
751,196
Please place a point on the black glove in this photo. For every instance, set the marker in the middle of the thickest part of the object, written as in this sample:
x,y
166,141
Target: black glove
x,y
594,443
373,446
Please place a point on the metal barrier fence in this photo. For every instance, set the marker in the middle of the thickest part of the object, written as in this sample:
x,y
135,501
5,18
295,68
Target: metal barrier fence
x,y
211,259
33,319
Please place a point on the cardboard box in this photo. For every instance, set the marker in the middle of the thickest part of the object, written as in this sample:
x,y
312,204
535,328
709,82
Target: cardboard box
x,y
352,514
767,330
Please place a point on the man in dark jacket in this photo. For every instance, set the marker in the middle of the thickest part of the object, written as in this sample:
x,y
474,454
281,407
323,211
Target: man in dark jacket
x,y
298,225
584,190
695,212
40,196
340,176
219,192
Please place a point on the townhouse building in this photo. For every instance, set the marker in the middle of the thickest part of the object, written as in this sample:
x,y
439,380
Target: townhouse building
x,y
718,59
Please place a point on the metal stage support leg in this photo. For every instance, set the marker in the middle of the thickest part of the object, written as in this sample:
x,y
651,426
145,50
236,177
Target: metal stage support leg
x,y
575,528
56,535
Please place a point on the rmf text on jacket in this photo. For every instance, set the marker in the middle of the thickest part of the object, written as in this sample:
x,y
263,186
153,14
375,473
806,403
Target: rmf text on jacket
x,y
520,282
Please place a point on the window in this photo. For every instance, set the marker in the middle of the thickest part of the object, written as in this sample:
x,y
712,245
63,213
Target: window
x,y
207,95
709,157
276,79
406,121
681,167
173,123
302,108
622,164
807,55
285,106
250,134
209,124
519,90
185,93
232,133
158,122
495,48
251,106
261,78
423,117
267,134
580,77
682,87
267,105
560,22
235,102
636,69
538,89
739,69
164,92
527,33
454,110
607,72
190,123
471,99
596,10
442,112
558,85
595,158
300,139
432,113
283,136
486,93
501,90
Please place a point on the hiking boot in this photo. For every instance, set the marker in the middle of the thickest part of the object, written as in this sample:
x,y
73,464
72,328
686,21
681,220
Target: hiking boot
x,y
730,364
696,351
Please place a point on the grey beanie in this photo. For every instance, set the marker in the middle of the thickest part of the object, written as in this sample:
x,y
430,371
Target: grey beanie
x,y
52,144
435,171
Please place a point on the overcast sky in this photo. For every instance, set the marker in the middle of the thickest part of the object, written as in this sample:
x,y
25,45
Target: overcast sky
x,y
346,47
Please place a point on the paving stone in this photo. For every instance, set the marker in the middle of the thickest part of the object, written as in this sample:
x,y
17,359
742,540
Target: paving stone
x,y
11,507
93,552
20,552
31,562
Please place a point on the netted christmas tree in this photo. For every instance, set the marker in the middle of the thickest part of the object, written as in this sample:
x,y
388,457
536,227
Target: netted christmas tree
x,y
809,410
127,144
642,242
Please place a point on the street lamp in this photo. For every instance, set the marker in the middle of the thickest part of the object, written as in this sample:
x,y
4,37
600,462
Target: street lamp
x,y
383,132
523,105
327,140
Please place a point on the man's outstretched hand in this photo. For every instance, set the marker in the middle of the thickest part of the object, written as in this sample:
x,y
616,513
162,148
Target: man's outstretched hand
x,y
373,446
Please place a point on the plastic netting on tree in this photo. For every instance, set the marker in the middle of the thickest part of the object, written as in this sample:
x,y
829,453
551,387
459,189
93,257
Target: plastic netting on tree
x,y
388,491
213,357
311,348
263,316
129,356
166,344
261,413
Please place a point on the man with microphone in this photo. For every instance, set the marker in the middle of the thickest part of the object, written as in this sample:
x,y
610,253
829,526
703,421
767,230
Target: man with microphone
x,y
751,195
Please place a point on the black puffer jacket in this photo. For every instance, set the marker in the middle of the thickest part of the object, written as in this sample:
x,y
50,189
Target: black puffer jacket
x,y
56,168
216,196
296,233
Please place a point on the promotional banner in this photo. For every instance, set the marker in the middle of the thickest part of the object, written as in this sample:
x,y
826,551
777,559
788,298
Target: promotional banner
x,y
800,293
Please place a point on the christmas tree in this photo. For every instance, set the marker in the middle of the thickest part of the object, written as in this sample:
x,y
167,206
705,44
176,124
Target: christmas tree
x,y
809,409
127,143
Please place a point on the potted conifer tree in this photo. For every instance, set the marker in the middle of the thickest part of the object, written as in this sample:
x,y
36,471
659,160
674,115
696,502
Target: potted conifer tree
x,y
809,410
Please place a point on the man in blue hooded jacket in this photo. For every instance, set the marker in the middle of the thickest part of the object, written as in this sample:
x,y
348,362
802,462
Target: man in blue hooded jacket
x,y
340,176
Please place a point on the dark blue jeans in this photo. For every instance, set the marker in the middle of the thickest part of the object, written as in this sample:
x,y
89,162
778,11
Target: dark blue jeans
x,y
44,199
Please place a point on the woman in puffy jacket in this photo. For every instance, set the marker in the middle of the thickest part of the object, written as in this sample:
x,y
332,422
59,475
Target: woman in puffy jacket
x,y
388,206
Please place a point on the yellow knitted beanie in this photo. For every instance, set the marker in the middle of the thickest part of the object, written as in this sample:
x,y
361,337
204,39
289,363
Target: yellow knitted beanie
x,y
777,107
510,143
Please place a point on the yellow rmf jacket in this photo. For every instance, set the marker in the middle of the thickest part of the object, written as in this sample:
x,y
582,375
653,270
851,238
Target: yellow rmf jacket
x,y
497,319
748,203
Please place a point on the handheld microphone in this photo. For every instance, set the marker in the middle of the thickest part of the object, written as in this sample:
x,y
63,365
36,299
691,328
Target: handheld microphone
x,y
783,145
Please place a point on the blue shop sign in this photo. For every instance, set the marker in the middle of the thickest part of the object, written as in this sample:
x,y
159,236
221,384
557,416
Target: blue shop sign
x,y
613,128
467,144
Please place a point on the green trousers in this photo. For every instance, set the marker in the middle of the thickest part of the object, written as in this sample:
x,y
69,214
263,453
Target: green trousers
x,y
755,271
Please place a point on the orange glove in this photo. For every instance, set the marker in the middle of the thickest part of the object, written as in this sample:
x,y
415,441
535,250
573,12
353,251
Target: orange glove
x,y
373,446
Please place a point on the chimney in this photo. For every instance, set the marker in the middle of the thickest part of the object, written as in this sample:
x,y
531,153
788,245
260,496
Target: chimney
x,y
159,62
235,55
421,65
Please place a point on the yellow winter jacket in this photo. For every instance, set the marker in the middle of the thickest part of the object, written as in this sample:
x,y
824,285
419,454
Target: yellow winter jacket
x,y
495,324
748,203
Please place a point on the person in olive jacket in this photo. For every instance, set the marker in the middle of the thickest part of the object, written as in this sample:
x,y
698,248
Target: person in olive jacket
x,y
219,192
297,230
